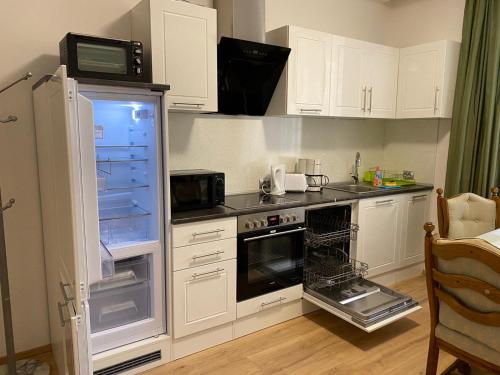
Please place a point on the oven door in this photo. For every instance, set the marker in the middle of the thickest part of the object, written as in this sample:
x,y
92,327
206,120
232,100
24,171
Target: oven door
x,y
269,260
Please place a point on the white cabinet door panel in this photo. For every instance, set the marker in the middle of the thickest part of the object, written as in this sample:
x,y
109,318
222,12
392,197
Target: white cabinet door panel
x,y
309,67
379,234
348,89
382,81
415,215
184,54
204,297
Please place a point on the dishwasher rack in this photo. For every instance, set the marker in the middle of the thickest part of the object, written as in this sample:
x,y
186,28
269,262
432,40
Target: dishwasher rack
x,y
328,237
331,269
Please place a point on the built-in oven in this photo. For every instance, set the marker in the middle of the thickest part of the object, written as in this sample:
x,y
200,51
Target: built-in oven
x,y
270,252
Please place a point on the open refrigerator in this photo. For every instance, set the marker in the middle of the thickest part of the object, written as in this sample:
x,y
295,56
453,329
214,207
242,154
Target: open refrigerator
x,y
101,152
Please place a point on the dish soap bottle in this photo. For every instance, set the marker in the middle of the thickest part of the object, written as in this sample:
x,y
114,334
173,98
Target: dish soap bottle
x,y
377,179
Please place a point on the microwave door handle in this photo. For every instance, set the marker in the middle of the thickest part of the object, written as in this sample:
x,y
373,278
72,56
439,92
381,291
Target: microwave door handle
x,y
274,234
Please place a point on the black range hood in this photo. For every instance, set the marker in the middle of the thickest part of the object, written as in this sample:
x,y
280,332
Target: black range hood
x,y
247,74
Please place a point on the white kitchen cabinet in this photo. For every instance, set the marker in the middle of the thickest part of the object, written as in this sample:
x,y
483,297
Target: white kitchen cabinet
x,y
427,75
348,89
364,79
415,214
379,234
381,64
304,87
180,40
204,297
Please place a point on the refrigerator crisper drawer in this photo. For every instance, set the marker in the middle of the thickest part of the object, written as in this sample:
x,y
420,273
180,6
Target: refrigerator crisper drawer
x,y
363,303
123,298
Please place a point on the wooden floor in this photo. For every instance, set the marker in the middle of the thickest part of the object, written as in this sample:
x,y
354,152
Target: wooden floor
x,y
320,344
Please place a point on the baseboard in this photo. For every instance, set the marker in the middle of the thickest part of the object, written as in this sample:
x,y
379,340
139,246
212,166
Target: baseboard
x,y
29,353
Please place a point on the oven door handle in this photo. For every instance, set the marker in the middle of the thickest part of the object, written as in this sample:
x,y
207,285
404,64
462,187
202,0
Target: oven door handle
x,y
274,234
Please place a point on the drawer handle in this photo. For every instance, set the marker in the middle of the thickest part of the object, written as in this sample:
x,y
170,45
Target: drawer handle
x,y
216,231
417,197
387,201
317,110
198,105
216,253
197,275
279,300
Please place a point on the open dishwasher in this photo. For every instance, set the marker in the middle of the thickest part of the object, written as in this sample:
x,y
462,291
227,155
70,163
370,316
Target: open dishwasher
x,y
334,280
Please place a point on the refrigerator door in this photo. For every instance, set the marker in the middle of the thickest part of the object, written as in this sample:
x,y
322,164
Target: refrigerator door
x,y
121,152
62,206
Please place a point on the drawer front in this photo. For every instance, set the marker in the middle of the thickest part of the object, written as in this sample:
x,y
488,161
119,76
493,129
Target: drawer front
x,y
268,301
204,253
204,231
204,297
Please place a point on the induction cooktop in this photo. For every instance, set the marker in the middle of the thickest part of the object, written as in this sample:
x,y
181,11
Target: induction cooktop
x,y
255,200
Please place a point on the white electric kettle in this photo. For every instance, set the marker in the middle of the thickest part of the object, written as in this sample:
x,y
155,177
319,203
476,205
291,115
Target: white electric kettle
x,y
278,173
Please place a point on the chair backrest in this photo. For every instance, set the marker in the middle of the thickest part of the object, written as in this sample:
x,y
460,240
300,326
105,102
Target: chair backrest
x,y
453,269
467,214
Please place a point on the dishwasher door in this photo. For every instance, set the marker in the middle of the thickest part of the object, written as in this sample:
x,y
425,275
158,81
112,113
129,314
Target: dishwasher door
x,y
363,303
334,281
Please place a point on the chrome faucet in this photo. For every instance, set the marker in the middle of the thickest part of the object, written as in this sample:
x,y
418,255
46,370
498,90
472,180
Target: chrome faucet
x,y
355,168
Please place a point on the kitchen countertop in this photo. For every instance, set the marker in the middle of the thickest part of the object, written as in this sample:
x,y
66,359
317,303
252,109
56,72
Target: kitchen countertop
x,y
297,200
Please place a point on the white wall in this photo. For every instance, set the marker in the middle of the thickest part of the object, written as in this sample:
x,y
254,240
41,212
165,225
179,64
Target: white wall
x,y
31,30
245,147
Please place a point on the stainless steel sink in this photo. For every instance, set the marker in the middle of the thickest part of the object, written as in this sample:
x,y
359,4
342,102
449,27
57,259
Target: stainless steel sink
x,y
352,188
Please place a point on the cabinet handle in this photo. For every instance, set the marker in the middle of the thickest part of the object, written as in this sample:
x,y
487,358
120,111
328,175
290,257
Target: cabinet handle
x,y
387,201
198,105
316,110
436,90
215,231
216,253
371,96
279,300
197,275
61,313
417,197
364,99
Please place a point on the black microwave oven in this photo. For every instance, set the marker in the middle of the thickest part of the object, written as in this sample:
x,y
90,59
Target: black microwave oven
x,y
196,189
88,56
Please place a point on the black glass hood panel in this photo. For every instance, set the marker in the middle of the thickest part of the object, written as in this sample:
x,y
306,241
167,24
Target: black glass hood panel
x,y
248,73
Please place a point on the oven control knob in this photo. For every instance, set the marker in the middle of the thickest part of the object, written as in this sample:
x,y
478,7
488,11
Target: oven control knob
x,y
284,219
256,223
294,218
263,222
249,225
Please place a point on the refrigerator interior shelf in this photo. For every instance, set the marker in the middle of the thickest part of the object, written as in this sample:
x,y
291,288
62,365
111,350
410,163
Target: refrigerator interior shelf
x,y
123,187
117,213
121,146
120,160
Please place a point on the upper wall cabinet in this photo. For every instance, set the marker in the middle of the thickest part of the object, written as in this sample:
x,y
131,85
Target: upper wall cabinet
x,y
180,40
427,75
364,79
304,88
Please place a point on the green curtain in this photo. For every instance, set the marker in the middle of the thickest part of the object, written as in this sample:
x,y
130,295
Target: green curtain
x,y
474,153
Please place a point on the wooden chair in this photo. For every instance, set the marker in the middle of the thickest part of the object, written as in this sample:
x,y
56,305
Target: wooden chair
x,y
463,285
467,214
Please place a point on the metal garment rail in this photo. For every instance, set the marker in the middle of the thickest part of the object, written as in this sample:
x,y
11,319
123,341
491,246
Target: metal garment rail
x,y
4,276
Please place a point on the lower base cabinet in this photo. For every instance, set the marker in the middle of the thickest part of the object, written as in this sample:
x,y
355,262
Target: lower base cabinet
x,y
204,297
391,234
